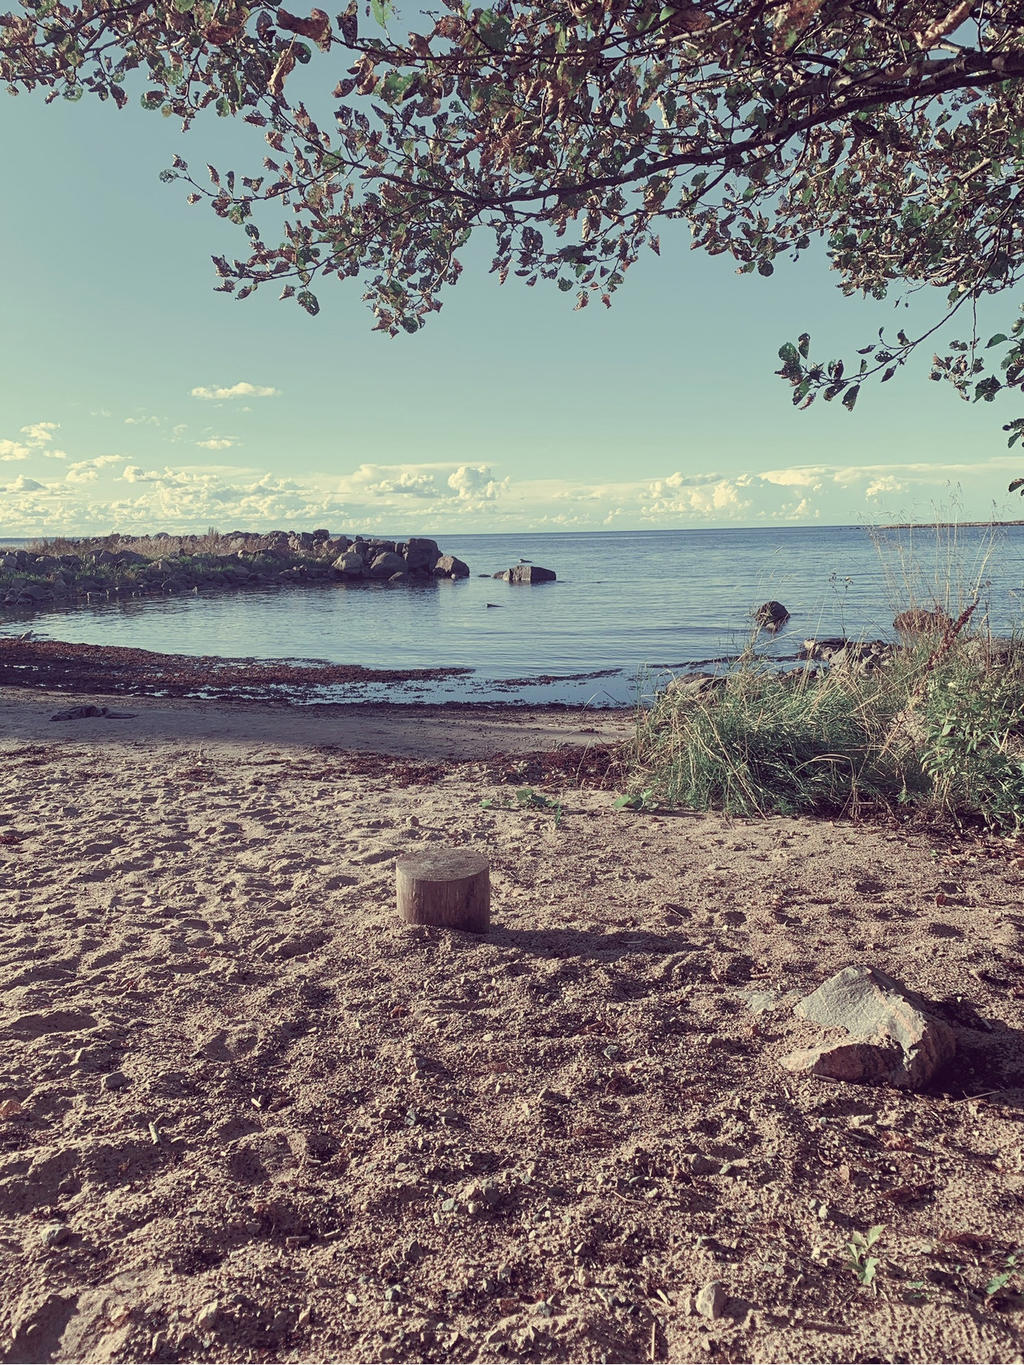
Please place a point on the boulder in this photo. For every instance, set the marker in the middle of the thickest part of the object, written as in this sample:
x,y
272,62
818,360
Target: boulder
x,y
420,553
531,573
448,566
823,648
891,1039
696,684
387,564
918,621
350,565
771,616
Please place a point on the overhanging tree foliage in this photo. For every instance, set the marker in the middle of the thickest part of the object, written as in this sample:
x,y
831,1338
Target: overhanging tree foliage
x,y
893,130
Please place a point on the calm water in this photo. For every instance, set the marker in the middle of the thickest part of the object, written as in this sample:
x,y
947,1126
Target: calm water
x,y
637,603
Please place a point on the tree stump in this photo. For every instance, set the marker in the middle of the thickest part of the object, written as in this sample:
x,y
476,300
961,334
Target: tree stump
x,y
447,887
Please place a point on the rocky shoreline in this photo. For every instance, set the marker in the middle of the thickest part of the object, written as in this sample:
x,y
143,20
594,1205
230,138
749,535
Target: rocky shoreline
x,y
66,572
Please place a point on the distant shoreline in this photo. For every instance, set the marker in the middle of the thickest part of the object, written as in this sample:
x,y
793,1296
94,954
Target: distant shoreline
x,y
940,525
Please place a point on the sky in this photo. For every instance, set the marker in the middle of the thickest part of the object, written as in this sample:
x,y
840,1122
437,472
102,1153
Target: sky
x,y
135,398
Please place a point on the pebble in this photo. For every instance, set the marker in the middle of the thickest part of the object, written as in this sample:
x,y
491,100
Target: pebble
x,y
704,1165
55,1234
207,1316
115,1080
711,1300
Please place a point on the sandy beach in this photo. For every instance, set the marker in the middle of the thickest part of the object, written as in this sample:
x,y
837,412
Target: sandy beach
x,y
247,1115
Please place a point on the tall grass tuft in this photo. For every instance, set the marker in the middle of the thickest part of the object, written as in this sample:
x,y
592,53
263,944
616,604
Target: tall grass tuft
x,y
938,726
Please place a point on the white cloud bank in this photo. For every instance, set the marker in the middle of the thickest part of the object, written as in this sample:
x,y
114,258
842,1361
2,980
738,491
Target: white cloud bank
x,y
239,390
112,492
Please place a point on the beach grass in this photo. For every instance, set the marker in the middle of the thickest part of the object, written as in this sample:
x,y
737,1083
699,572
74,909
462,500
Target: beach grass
x,y
936,726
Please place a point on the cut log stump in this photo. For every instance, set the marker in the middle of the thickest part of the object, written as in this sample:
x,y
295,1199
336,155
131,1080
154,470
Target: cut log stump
x,y
447,887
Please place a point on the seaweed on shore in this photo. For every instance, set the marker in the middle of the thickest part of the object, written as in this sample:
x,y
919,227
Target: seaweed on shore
x,y
78,668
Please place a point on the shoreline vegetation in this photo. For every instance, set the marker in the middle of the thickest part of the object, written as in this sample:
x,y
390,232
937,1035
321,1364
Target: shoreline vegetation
x,y
63,572
932,725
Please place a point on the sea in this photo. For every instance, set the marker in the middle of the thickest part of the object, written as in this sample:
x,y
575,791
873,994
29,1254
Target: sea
x,y
629,609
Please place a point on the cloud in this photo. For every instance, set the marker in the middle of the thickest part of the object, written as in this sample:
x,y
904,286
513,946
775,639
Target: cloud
x,y
143,421
13,450
40,433
133,474
218,443
239,390
884,486
87,471
23,485
477,482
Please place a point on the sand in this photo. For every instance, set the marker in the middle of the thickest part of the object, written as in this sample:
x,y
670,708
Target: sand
x,y
246,1114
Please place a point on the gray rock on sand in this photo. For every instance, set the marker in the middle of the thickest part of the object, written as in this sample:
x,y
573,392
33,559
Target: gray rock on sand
x,y
711,1300
891,1038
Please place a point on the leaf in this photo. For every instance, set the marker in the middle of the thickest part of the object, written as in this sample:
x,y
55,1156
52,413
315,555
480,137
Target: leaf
x,y
317,26
850,397
285,63
998,1282
765,268
494,30
221,34
788,354
308,301
1017,483
349,23
382,10
803,344
888,374
996,340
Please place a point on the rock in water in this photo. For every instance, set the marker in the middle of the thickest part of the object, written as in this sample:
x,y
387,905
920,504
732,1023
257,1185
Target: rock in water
x,y
527,573
771,616
891,1038
450,567
386,565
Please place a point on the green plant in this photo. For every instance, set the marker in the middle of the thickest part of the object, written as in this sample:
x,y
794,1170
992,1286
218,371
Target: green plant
x,y
527,798
936,723
1010,1271
858,1247
970,753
